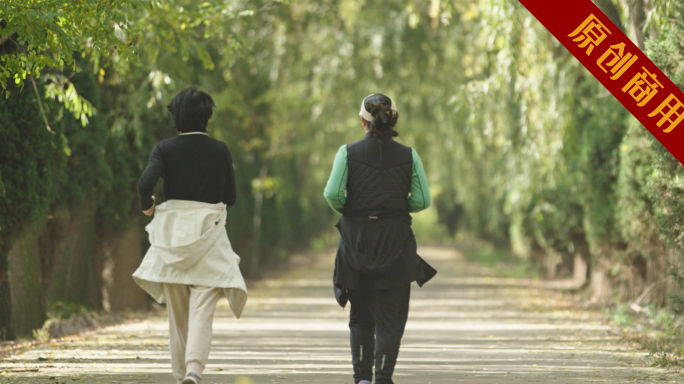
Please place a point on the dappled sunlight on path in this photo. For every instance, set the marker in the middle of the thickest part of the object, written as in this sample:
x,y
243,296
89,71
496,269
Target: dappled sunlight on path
x,y
464,327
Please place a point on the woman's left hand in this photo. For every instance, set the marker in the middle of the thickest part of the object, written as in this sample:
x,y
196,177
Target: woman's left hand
x,y
150,211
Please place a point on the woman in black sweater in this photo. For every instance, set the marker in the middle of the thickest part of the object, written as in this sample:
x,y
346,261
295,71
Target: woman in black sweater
x,y
193,165
190,260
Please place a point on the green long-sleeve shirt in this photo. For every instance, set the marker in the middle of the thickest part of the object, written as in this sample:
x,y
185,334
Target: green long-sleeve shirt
x,y
336,189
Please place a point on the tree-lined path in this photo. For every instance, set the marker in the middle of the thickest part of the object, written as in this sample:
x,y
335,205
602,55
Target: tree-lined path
x,y
464,327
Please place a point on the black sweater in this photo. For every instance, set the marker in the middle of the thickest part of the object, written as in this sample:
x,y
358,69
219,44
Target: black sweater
x,y
194,167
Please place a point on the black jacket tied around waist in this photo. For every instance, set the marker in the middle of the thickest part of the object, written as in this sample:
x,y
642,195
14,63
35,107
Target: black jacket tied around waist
x,y
377,248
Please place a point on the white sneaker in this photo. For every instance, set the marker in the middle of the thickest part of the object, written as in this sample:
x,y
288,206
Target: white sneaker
x,y
191,378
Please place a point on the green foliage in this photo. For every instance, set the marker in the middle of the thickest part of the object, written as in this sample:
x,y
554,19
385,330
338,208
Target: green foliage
x,y
621,316
51,33
60,88
30,158
635,214
661,15
676,298
657,330
666,188
66,310
601,127
42,167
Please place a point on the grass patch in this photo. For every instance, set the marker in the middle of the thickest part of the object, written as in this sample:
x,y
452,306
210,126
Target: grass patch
x,y
657,330
66,310
502,262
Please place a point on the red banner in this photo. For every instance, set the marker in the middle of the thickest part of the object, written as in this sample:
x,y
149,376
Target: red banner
x,y
618,64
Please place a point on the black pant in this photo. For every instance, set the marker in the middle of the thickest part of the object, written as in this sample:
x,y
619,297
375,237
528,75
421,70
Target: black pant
x,y
377,320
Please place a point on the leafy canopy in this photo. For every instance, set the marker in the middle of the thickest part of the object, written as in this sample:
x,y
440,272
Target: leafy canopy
x,y
49,33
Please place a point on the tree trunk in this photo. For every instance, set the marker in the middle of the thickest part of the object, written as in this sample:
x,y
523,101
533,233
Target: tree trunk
x,y
121,255
600,281
256,220
6,332
68,249
637,20
26,283
580,269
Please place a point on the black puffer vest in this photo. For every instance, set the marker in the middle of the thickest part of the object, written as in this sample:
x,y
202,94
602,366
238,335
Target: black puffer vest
x,y
377,248
379,177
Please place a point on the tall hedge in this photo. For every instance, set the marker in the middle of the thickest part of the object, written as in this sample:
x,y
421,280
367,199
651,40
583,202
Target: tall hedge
x,y
664,186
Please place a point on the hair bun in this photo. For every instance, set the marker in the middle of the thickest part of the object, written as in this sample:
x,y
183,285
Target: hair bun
x,y
384,117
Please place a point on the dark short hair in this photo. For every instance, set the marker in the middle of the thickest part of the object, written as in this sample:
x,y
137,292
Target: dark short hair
x,y
191,110
384,117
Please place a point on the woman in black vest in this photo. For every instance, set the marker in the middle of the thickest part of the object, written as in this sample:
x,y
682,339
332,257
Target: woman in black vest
x,y
375,184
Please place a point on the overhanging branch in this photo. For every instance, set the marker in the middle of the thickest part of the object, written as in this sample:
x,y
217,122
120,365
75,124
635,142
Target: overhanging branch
x,y
7,36
40,104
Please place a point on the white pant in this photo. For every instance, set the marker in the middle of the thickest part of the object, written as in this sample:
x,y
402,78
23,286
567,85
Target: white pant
x,y
191,315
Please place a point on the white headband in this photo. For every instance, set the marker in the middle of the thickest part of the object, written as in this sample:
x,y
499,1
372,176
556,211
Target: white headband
x,y
366,115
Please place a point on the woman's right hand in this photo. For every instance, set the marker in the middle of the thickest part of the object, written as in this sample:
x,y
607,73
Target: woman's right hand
x,y
150,211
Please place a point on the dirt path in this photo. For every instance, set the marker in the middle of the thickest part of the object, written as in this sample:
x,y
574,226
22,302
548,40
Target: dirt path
x,y
464,327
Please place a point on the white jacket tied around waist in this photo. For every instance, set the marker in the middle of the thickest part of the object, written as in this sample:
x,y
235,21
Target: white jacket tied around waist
x,y
189,245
